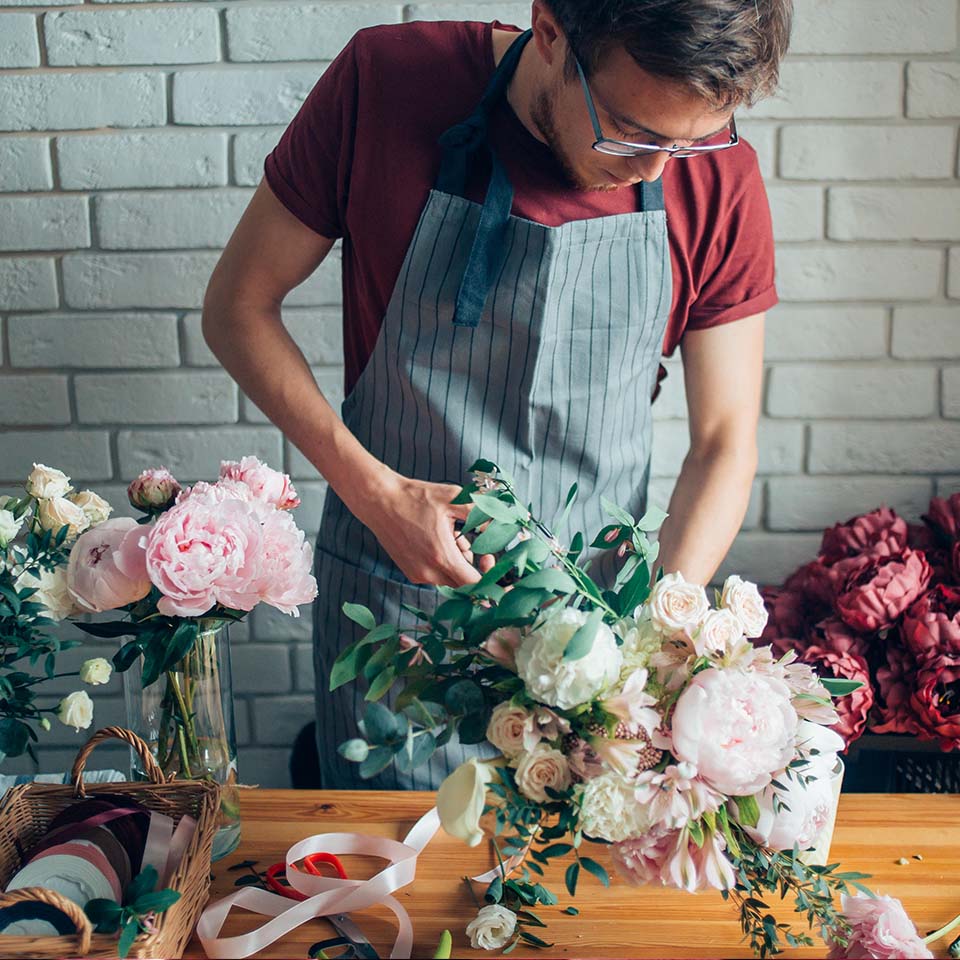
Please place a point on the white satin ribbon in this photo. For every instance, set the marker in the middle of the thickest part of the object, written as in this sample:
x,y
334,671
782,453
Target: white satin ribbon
x,y
329,895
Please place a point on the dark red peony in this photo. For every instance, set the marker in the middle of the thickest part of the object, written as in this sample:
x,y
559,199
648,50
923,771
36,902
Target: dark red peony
x,y
881,532
936,701
932,624
876,591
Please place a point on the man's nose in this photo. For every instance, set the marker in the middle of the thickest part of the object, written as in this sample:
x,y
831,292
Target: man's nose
x,y
650,166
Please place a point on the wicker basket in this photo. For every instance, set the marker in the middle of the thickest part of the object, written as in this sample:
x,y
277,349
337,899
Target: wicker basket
x,y
25,813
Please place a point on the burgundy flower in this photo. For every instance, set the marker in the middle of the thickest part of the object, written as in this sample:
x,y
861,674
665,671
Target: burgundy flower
x,y
813,580
896,682
944,517
936,701
789,618
876,591
932,624
836,651
881,532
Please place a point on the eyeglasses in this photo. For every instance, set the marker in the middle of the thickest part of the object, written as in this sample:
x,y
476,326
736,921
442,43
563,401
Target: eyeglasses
x,y
622,148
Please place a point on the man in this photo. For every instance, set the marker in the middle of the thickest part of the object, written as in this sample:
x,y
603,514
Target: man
x,y
509,285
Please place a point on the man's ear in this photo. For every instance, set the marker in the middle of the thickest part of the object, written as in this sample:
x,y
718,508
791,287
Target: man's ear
x,y
547,34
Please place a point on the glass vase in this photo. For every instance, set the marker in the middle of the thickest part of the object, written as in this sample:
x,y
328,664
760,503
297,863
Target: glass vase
x,y
187,718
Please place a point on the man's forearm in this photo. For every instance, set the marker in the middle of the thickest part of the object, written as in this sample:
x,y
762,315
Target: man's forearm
x,y
258,352
706,510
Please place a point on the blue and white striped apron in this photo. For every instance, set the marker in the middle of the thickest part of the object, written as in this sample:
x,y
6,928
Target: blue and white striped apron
x,y
536,347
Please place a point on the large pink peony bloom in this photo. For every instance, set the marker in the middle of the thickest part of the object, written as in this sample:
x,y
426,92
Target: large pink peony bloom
x,y
936,701
640,860
932,625
881,930
94,579
880,588
200,553
881,532
269,485
737,729
896,682
836,651
285,578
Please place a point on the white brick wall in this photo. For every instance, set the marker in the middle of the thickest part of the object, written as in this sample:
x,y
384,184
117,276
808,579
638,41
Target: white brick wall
x,y
132,132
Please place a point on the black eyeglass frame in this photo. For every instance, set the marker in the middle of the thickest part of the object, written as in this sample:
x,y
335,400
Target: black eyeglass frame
x,y
625,148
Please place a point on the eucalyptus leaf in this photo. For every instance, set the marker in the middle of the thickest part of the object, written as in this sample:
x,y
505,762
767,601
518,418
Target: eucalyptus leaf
x,y
495,538
359,614
652,519
552,579
617,512
379,723
498,509
355,750
581,643
571,877
596,869
517,604
378,759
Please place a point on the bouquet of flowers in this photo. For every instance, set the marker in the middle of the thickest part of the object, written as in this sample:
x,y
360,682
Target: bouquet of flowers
x,y
38,533
638,717
200,558
880,604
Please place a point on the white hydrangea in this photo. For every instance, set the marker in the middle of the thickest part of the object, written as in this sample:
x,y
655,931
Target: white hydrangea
x,y
610,809
641,640
567,683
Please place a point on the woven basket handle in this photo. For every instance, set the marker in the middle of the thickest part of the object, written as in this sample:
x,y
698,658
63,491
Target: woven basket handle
x,y
150,766
77,917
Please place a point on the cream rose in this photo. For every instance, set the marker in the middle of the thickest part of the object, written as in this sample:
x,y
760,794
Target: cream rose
x,y
9,527
52,591
743,598
719,633
677,606
45,483
542,767
492,927
567,683
96,671
93,505
461,798
60,512
505,730
76,710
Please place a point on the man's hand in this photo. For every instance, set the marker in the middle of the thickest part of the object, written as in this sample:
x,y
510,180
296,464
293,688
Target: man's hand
x,y
414,521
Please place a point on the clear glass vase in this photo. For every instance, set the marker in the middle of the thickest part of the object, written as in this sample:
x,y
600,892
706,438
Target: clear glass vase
x,y
187,718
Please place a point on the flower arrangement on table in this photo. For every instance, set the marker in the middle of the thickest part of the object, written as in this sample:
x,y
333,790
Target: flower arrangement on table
x,y
200,558
880,604
637,717
38,532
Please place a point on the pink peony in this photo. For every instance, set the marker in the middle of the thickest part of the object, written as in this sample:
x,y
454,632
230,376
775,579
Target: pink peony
x,y
836,651
880,588
736,728
154,489
881,930
269,485
285,579
936,701
896,681
932,625
640,860
94,579
218,492
881,532
200,553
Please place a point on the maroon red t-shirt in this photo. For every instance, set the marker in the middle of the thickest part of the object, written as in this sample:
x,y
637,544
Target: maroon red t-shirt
x,y
360,157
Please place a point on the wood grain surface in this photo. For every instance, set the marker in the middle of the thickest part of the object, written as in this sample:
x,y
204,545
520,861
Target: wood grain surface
x,y
873,831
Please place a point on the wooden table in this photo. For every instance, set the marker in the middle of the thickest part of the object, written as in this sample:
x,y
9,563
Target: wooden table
x,y
873,831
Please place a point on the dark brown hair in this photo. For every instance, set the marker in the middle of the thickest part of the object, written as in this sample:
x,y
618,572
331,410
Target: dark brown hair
x,y
728,51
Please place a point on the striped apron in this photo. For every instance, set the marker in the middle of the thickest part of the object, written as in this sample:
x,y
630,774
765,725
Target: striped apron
x,y
536,347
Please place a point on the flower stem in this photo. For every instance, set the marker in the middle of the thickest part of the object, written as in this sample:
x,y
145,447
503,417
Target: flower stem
x,y
943,931
186,732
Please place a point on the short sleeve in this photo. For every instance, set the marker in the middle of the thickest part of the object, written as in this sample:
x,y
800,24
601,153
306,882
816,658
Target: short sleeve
x,y
739,267
309,169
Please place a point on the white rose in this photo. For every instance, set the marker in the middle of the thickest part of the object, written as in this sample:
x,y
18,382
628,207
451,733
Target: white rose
x,y
93,505
641,640
45,483
610,809
542,767
743,598
505,730
60,512
52,591
76,710
719,633
9,527
567,683
96,671
492,927
461,798
676,605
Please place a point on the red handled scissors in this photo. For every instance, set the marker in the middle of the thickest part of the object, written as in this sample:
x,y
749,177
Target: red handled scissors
x,y
279,870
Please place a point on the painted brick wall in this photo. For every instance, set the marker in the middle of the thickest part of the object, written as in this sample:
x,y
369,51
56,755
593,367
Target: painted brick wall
x,y
132,135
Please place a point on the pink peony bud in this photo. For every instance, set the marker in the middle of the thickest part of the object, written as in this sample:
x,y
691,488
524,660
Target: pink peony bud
x,y
881,532
155,489
881,588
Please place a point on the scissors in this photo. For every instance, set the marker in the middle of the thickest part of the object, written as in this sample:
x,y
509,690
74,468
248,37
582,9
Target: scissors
x,y
358,947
